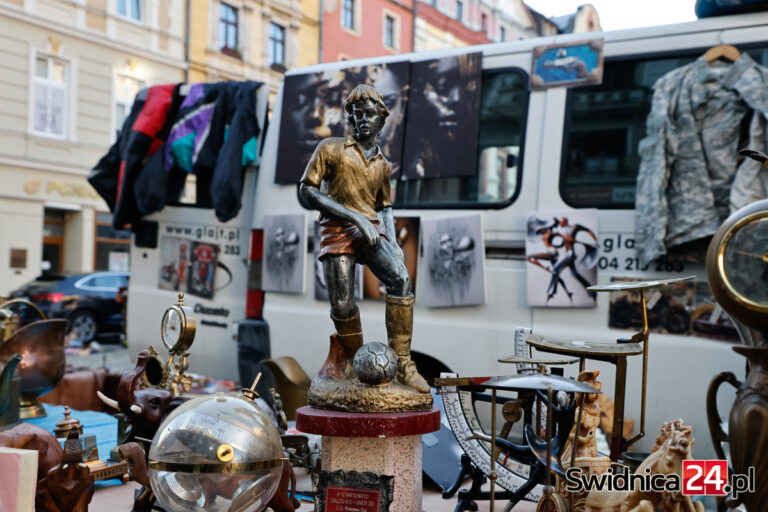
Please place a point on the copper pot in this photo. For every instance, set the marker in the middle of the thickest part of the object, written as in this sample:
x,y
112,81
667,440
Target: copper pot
x,y
41,345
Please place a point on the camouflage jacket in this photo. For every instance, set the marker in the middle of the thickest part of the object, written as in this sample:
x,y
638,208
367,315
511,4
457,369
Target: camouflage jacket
x,y
691,176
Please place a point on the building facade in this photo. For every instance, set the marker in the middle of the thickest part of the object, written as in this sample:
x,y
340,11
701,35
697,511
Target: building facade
x,y
450,23
353,29
70,70
252,40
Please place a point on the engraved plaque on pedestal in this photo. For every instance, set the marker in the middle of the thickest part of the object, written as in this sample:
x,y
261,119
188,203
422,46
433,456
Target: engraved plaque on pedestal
x,y
350,491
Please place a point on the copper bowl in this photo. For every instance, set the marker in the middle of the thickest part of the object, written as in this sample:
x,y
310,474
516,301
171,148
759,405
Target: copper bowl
x,y
41,345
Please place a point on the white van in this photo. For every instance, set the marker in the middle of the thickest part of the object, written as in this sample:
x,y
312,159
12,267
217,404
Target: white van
x,y
576,148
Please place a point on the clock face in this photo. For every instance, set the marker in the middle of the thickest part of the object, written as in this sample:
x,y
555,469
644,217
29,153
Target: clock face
x,y
745,262
171,327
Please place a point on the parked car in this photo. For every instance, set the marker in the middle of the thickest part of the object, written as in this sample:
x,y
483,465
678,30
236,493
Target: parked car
x,y
88,301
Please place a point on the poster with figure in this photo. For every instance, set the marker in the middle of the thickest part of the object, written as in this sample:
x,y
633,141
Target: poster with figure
x,y
321,289
453,264
285,253
443,114
174,261
202,272
407,231
561,255
313,109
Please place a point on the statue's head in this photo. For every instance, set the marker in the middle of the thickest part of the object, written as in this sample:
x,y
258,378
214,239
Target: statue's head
x,y
366,111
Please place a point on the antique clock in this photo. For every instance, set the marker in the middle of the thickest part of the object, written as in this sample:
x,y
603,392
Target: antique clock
x,y
737,266
178,327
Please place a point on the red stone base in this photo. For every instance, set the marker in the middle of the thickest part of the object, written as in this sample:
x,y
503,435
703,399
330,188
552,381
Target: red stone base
x,y
362,424
380,443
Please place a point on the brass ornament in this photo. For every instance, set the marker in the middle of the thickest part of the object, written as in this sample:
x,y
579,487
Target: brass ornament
x,y
177,332
225,453
183,332
212,467
68,424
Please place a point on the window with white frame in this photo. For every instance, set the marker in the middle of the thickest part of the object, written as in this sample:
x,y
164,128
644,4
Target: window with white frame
x,y
131,9
484,22
348,14
390,31
276,45
50,96
126,89
503,33
460,10
228,27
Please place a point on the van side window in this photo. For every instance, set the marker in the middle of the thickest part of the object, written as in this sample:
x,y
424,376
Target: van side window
x,y
503,108
605,123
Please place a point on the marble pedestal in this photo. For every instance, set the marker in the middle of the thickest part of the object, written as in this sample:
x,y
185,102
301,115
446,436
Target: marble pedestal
x,y
380,443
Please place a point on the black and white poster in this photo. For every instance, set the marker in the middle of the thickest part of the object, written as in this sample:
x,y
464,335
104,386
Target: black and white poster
x,y
442,121
313,109
453,265
285,253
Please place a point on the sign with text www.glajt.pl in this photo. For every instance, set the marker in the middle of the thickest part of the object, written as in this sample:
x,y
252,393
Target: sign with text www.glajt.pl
x,y
350,499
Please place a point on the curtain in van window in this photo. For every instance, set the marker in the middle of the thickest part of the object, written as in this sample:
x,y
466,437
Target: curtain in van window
x,y
691,176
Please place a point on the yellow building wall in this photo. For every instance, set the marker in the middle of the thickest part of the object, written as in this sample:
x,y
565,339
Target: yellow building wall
x,y
198,35
309,33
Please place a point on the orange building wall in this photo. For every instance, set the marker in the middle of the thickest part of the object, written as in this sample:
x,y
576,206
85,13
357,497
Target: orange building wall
x,y
368,38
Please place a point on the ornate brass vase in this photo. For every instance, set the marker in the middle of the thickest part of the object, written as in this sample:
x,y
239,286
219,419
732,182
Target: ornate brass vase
x,y
41,345
747,427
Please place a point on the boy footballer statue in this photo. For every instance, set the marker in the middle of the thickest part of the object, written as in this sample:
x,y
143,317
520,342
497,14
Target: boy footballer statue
x,y
347,180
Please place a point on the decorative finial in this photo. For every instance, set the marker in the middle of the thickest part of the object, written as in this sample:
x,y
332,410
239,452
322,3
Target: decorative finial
x,y
181,299
63,427
251,393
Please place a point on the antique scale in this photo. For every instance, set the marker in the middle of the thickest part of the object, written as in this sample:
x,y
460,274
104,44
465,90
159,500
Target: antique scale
x,y
514,475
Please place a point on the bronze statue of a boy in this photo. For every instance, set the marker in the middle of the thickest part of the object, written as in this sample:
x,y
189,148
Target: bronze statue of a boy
x,y
347,180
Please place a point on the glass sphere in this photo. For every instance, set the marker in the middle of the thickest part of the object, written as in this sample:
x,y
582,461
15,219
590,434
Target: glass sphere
x,y
202,457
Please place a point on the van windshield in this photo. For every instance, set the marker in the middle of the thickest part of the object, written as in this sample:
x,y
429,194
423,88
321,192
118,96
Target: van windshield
x,y
605,123
496,180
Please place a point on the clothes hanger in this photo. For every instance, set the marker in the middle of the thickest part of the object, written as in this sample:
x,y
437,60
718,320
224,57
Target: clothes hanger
x,y
725,51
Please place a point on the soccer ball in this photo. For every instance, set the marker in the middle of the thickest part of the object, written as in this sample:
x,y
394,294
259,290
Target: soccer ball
x,y
375,363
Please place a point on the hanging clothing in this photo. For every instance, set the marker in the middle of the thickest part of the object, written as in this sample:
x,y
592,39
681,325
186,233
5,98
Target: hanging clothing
x,y
691,176
143,134
238,150
211,131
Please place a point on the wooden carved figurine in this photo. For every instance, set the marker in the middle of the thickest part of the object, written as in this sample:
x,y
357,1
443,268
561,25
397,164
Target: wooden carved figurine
x,y
31,437
144,410
584,444
69,486
673,446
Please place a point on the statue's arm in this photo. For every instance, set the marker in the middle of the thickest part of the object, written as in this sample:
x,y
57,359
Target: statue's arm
x,y
388,220
312,197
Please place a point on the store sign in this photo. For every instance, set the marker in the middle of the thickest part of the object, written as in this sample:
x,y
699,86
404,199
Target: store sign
x,y
68,189
18,258
118,261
